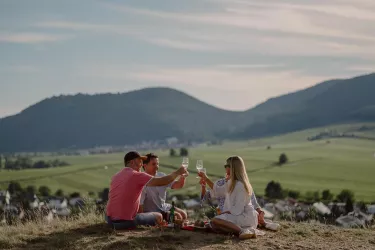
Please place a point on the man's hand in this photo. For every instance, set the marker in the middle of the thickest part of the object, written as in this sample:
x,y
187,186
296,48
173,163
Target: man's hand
x,y
180,183
182,171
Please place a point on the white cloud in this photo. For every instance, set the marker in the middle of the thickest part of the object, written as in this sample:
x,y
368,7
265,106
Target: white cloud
x,y
30,38
363,68
252,27
284,17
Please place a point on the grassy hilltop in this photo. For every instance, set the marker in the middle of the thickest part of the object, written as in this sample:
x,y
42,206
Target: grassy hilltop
x,y
89,232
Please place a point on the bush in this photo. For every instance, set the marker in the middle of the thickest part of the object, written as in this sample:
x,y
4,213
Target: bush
x,y
59,193
283,159
362,206
345,195
42,164
104,194
349,207
327,195
44,191
274,190
75,195
312,196
30,189
184,152
172,152
14,187
292,194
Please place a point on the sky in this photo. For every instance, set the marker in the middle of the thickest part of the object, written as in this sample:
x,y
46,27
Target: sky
x,y
233,54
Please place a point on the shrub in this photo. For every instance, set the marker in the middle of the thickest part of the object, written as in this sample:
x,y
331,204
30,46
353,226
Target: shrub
x,y
59,193
274,190
184,152
327,195
283,159
345,195
44,191
172,152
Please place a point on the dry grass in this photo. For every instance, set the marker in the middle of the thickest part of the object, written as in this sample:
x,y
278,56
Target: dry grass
x,y
89,232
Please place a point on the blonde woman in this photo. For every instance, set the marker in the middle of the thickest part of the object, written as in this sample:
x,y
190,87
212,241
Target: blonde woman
x,y
239,215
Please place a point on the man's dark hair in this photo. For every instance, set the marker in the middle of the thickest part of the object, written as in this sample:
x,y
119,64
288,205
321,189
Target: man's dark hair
x,y
150,156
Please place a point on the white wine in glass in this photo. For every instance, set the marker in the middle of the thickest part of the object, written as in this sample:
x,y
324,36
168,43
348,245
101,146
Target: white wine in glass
x,y
199,166
185,164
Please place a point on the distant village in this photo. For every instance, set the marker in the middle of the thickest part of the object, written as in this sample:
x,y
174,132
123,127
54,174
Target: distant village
x,y
24,206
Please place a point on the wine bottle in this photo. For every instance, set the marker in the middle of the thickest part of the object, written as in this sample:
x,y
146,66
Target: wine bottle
x,y
171,214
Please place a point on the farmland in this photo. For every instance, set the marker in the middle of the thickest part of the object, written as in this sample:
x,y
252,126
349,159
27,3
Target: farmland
x,y
335,164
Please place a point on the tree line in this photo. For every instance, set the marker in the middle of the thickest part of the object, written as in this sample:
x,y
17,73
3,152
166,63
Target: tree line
x,y
25,162
183,152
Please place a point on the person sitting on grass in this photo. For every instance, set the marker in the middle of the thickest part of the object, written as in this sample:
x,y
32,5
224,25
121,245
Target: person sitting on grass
x,y
238,215
125,194
207,194
153,198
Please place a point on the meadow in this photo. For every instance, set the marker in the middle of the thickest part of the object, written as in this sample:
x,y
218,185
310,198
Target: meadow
x,y
336,164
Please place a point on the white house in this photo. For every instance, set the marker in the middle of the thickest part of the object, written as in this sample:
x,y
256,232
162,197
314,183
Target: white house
x,y
371,209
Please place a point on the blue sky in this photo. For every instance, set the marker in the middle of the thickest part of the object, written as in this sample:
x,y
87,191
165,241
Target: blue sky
x,y
232,54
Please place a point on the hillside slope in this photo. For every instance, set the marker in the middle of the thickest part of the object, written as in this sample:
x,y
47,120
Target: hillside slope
x,y
89,232
332,102
111,119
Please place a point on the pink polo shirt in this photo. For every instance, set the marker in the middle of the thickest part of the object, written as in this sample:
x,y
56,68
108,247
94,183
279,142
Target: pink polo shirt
x,y
125,193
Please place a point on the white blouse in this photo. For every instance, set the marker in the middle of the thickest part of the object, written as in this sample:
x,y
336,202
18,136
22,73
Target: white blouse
x,y
238,201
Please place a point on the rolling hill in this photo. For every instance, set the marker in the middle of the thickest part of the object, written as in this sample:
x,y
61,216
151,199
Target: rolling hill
x,y
157,113
111,119
331,102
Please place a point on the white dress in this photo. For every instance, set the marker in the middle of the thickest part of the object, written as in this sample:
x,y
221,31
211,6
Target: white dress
x,y
238,203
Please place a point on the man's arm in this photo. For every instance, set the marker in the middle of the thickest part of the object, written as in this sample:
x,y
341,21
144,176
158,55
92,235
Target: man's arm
x,y
165,180
179,184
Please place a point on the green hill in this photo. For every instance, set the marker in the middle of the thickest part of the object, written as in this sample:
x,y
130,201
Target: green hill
x,y
332,102
111,119
152,114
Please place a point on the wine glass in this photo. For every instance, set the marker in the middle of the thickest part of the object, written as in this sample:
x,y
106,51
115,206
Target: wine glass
x,y
185,164
199,166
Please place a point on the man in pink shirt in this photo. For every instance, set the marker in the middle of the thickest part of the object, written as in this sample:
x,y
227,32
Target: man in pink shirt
x,y
125,193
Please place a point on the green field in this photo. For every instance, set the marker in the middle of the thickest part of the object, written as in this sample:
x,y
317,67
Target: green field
x,y
318,165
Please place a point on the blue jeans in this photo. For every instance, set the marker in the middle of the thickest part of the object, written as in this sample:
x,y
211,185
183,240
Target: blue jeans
x,y
142,219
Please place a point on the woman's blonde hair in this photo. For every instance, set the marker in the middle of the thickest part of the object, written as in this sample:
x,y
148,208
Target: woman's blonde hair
x,y
238,173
